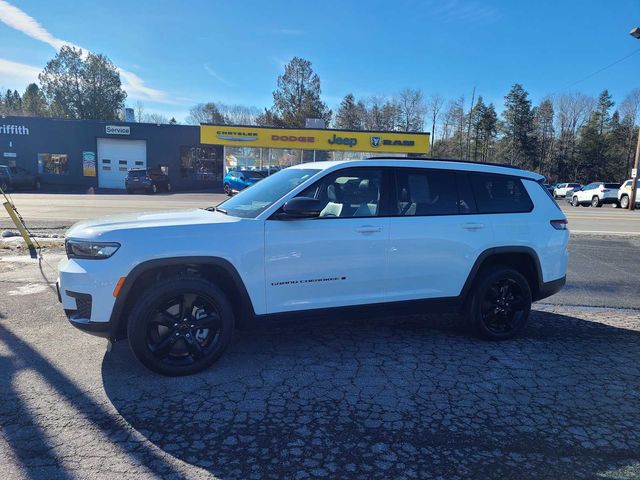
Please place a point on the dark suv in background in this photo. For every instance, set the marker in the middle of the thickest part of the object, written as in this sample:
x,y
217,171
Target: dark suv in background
x,y
148,179
14,178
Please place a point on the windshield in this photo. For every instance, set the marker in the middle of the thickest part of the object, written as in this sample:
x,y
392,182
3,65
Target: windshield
x,y
254,200
253,175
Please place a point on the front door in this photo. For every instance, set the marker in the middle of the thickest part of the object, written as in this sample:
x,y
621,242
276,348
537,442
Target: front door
x,y
338,259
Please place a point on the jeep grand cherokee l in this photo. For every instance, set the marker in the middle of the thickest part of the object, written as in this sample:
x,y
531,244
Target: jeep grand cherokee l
x,y
325,238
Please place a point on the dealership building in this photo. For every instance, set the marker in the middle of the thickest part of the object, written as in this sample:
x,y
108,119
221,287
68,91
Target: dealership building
x,y
85,153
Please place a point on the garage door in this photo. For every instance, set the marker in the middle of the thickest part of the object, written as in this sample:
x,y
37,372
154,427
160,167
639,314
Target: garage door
x,y
116,157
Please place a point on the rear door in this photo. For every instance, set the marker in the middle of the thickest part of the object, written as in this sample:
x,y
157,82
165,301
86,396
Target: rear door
x,y
436,234
338,259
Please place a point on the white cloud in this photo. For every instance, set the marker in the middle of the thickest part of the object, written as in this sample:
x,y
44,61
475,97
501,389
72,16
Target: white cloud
x,y
17,75
217,76
21,21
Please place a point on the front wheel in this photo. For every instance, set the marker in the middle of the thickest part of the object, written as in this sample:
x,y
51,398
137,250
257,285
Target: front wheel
x,y
500,303
154,188
574,201
624,202
180,326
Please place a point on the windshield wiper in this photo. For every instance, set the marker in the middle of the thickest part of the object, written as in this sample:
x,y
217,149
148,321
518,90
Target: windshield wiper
x,y
221,210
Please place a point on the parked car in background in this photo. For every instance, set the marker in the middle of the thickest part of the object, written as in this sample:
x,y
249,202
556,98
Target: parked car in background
x,y
624,194
237,180
561,189
595,194
16,178
150,180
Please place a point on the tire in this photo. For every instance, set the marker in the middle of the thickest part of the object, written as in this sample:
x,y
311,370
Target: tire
x,y
36,185
180,348
154,188
168,187
574,201
227,189
492,311
129,191
595,202
624,202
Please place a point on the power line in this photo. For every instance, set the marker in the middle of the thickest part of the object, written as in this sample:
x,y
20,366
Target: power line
x,y
602,69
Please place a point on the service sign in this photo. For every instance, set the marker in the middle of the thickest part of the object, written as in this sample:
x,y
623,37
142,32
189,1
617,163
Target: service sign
x,y
117,130
312,139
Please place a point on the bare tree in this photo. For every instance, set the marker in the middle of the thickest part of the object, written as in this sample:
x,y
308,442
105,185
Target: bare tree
x,y
434,106
411,110
139,111
573,110
630,110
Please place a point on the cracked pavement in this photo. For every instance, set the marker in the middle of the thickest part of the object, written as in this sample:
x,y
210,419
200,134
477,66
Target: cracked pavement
x,y
406,397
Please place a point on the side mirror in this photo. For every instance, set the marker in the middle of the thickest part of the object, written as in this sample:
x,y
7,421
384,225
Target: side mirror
x,y
302,207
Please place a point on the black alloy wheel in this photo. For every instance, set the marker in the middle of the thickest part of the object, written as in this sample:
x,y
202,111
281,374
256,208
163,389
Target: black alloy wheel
x,y
500,303
181,326
502,307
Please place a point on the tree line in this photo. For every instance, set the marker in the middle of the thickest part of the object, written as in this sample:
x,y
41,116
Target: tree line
x,y
568,136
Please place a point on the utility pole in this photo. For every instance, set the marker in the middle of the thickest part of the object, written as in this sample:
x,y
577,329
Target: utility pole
x,y
634,182
635,32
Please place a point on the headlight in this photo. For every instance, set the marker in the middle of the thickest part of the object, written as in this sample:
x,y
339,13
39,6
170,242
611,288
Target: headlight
x,y
90,250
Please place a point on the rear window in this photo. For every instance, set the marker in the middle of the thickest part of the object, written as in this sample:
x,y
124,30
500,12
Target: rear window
x,y
611,185
500,194
137,173
253,174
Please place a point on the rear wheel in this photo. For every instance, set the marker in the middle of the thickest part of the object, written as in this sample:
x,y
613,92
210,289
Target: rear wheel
x,y
595,202
180,326
227,189
500,303
624,202
154,188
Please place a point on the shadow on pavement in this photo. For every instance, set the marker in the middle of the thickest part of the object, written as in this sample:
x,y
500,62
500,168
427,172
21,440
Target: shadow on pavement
x,y
392,398
29,442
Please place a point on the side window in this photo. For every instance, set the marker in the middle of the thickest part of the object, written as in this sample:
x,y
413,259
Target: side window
x,y
349,193
425,192
500,194
466,199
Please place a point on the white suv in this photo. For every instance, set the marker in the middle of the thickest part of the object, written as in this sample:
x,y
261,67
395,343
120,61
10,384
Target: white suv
x,y
375,236
562,189
624,194
595,194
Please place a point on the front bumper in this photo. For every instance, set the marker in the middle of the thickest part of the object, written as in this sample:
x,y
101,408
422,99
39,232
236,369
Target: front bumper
x,y
87,295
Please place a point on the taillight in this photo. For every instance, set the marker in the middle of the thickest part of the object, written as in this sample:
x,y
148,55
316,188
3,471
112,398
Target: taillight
x,y
602,189
147,178
559,224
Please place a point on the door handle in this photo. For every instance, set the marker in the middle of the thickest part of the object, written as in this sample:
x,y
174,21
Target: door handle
x,y
368,229
473,226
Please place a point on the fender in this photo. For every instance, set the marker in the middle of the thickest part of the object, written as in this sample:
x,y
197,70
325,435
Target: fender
x,y
118,308
498,251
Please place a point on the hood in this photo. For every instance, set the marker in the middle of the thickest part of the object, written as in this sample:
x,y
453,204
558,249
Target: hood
x,y
135,221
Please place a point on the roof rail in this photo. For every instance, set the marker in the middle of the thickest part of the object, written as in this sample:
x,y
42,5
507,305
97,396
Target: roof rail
x,y
455,160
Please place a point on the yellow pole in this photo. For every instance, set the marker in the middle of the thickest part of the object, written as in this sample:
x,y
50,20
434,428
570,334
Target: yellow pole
x,y
21,228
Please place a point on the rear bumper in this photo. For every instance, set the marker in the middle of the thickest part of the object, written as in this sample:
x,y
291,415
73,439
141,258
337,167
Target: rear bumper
x,y
550,288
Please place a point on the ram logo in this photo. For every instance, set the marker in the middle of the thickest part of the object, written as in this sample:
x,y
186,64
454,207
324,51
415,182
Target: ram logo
x,y
375,141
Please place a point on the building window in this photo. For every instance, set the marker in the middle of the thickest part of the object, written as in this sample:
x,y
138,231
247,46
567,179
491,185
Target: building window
x,y
53,163
201,163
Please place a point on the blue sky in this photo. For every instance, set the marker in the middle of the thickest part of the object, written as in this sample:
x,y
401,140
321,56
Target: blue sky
x,y
175,54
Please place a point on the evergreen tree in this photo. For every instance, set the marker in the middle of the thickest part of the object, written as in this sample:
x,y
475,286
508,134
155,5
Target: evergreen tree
x,y
518,128
297,96
33,102
350,114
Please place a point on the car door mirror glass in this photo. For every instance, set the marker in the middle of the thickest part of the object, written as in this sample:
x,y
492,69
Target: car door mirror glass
x,y
302,207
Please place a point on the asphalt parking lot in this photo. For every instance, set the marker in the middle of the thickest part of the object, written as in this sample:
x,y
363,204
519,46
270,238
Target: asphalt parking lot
x,y
404,397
